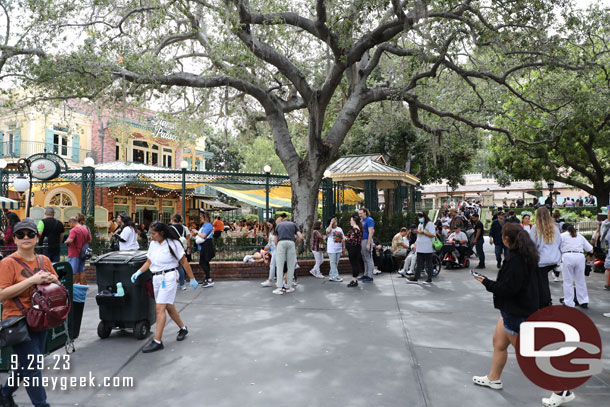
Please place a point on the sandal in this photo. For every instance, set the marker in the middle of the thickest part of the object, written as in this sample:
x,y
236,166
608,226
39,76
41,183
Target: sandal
x,y
484,381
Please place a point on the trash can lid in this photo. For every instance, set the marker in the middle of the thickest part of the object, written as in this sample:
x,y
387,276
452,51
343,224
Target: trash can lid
x,y
121,257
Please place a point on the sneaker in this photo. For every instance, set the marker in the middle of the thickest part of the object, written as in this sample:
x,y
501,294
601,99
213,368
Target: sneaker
x,y
555,278
319,275
607,287
484,381
7,401
183,287
584,305
294,284
499,265
480,266
207,283
355,284
312,272
607,314
335,279
427,282
267,283
279,291
182,334
289,290
376,271
558,399
361,278
367,280
412,280
152,347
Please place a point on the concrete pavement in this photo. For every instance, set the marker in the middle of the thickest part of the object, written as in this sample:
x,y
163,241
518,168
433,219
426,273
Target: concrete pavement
x,y
382,344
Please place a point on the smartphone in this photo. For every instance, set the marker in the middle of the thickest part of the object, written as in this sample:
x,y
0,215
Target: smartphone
x,y
475,274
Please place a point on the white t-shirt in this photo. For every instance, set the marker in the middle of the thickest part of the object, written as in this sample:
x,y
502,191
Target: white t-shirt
x,y
161,258
334,242
424,243
574,244
457,237
131,238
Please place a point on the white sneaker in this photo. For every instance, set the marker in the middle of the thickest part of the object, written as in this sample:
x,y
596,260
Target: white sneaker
x,y
335,279
319,275
290,290
294,284
558,399
267,283
484,381
555,279
279,291
607,314
183,287
376,271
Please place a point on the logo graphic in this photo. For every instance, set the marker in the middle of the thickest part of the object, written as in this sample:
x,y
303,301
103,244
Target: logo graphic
x,y
559,348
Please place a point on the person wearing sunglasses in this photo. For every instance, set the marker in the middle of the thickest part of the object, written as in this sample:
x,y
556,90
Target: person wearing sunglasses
x,y
15,284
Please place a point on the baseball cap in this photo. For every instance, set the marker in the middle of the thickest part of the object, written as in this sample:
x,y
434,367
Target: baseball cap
x,y
500,213
26,224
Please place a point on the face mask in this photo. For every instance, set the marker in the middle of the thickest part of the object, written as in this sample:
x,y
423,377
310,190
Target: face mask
x,y
421,220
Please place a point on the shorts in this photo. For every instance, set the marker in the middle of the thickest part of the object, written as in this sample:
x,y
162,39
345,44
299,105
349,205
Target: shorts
x,y
512,323
78,264
167,294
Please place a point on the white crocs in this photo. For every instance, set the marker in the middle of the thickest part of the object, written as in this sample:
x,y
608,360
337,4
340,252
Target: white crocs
x,y
484,381
558,399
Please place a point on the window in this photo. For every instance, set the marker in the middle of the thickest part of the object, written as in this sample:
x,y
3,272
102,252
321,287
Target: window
x,y
60,144
167,157
61,200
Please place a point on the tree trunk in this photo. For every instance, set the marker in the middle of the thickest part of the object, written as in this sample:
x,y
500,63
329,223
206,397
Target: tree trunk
x,y
305,204
602,196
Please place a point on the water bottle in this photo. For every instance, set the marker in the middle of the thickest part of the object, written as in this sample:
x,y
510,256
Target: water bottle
x,y
119,290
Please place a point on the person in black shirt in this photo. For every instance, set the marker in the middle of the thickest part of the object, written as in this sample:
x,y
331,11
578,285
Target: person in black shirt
x,y
516,294
478,239
512,218
52,231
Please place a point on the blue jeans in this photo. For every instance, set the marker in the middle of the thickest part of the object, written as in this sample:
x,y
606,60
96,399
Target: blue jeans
x,y
25,352
500,248
334,263
78,264
480,252
181,275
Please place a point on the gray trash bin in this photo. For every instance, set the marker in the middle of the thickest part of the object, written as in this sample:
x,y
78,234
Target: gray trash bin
x,y
136,309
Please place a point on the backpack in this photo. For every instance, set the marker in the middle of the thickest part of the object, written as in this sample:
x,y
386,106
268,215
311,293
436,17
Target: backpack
x,y
182,237
50,302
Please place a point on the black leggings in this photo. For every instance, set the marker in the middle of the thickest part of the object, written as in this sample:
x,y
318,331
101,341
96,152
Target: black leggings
x,y
354,253
205,265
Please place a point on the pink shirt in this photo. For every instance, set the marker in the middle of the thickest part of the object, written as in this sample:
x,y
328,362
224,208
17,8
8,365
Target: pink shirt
x,y
80,235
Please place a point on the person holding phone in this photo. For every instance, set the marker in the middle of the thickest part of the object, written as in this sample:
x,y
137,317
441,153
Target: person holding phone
x,y
334,247
517,294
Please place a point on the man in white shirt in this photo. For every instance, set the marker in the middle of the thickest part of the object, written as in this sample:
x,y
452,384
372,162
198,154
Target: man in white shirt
x,y
461,243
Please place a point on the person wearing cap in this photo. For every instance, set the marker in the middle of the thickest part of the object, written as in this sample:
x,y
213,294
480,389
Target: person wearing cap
x,y
495,238
14,283
203,238
478,239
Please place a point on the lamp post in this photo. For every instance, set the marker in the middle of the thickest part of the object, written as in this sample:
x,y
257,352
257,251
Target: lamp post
x,y
327,196
184,165
267,170
3,178
551,184
23,184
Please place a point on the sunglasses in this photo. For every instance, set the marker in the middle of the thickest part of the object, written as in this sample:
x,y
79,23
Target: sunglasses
x,y
31,234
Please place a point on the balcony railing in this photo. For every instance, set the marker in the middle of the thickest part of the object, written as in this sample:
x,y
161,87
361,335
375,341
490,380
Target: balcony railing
x,y
26,148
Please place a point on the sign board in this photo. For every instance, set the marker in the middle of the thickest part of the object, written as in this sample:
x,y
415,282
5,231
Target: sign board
x,y
46,166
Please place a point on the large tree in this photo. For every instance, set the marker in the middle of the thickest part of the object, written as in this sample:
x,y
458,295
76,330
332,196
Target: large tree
x,y
316,61
569,139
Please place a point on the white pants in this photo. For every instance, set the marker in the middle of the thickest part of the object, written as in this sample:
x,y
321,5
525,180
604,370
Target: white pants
x,y
573,270
165,295
319,257
410,262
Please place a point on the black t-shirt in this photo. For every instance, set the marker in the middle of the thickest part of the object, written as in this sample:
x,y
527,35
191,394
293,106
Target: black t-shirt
x,y
52,229
477,226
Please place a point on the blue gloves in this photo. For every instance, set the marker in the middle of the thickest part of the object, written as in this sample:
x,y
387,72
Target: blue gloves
x,y
135,276
193,283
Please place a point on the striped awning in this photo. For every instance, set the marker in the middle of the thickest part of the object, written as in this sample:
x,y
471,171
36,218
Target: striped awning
x,y
9,203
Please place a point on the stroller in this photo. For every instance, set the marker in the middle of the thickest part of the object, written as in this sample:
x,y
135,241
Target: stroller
x,y
470,233
448,257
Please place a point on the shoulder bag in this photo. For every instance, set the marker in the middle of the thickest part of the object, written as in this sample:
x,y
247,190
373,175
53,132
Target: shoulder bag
x,y
13,331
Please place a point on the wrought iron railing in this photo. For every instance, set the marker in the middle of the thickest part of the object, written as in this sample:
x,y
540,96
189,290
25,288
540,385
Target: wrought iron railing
x,y
28,148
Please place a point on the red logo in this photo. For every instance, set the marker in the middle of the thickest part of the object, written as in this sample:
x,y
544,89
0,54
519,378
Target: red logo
x,y
559,348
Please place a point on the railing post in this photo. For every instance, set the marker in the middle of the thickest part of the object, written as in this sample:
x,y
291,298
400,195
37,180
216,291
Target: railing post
x,y
88,191
184,195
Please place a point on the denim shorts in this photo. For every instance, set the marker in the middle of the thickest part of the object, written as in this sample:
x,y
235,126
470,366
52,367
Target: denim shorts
x,y
512,323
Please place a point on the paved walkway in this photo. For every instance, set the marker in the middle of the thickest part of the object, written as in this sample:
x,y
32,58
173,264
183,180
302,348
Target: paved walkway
x,y
382,344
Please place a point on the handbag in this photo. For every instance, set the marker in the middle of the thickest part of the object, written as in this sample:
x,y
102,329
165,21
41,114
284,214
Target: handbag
x,y
50,303
437,244
86,252
13,331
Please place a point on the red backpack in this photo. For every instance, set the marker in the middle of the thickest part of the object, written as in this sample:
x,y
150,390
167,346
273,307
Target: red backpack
x,y
50,302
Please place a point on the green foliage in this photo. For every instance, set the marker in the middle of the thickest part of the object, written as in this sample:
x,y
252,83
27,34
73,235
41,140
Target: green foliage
x,y
260,153
278,213
227,155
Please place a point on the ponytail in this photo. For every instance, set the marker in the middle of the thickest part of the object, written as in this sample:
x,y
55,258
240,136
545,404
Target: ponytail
x,y
571,230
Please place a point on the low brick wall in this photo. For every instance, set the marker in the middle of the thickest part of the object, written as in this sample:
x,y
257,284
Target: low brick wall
x,y
226,270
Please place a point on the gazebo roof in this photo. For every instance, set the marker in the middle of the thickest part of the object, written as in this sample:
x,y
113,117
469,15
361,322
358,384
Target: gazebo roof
x,y
355,169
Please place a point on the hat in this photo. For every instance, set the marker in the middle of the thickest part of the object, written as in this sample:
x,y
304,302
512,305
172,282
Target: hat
x,y
420,214
500,213
475,214
27,224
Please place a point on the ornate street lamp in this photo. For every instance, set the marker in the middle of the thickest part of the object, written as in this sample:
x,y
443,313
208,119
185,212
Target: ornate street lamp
x,y
267,170
184,165
23,184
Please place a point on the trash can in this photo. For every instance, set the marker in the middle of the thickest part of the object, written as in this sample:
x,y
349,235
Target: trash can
x,y
136,309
